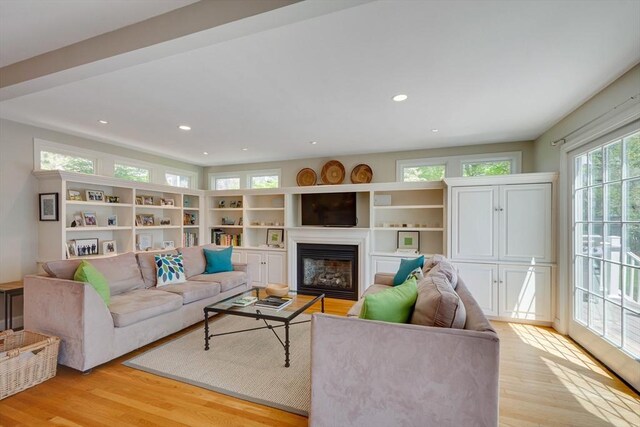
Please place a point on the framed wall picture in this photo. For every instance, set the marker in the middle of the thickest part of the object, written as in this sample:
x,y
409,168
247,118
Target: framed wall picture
x,y
48,206
84,247
109,247
409,240
94,196
275,236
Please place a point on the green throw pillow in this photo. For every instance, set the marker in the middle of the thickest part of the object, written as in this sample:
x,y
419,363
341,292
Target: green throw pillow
x,y
218,261
393,305
406,267
89,274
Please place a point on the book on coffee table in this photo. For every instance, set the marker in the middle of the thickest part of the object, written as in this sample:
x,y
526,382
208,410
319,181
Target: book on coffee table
x,y
244,301
274,302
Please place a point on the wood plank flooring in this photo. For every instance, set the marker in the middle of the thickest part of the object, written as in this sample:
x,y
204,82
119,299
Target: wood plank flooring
x,y
545,380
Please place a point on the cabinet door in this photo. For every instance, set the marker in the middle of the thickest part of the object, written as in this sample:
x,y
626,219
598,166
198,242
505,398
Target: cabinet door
x,y
238,257
525,222
482,282
385,265
474,231
256,268
525,292
276,267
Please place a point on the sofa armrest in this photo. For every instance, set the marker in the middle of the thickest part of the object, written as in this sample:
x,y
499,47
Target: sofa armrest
x,y
72,311
384,279
240,266
368,373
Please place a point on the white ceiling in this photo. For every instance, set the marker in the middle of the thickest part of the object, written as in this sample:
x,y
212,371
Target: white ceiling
x,y
479,71
32,27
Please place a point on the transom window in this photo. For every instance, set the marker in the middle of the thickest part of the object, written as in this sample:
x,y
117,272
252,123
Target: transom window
x,y
423,173
66,162
255,179
606,242
131,173
227,183
497,167
177,180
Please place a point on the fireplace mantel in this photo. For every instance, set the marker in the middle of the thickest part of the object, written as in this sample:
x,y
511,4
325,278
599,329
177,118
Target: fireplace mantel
x,y
330,235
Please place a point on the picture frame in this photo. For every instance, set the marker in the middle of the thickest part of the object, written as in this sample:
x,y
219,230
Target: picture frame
x,y
109,247
147,200
78,221
48,206
165,221
70,248
74,195
409,240
145,220
112,220
239,204
228,221
167,202
85,247
139,200
145,241
94,196
90,219
168,244
112,199
275,236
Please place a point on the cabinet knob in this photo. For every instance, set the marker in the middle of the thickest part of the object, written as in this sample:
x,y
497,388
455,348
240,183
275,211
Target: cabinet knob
x,y
501,209
496,209
495,281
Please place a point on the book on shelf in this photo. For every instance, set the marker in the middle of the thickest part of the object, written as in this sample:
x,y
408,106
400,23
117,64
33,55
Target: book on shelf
x,y
220,238
190,238
274,302
244,301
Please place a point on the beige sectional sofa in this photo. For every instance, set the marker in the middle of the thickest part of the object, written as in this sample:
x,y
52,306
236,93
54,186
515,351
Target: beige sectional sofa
x,y
370,373
93,333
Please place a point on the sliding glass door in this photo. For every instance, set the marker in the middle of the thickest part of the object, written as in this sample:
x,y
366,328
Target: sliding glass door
x,y
606,248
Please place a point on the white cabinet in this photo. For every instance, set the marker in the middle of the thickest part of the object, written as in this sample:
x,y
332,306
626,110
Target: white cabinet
x,y
266,266
501,222
384,264
510,291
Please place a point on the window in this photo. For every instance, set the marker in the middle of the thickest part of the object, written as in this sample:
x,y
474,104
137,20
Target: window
x,y
497,167
423,173
66,162
606,241
178,180
264,179
228,183
131,173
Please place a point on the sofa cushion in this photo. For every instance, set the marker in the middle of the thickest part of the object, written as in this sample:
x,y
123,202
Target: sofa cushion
x,y
218,261
354,311
406,267
147,262
391,305
121,271
194,260
191,291
449,271
438,304
170,269
227,280
140,304
432,262
89,274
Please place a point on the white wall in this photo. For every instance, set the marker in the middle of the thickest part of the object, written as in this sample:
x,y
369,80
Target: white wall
x,y
19,196
382,164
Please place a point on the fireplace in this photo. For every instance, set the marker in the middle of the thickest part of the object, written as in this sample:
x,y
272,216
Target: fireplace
x,y
328,269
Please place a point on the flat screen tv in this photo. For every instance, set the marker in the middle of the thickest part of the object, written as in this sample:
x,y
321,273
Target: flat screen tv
x,y
329,209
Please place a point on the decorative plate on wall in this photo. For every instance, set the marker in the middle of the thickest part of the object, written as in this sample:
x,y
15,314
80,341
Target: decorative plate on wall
x,y
361,174
332,172
306,177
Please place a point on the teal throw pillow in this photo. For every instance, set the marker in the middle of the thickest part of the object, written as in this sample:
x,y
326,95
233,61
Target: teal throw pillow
x,y
406,267
170,269
218,261
392,305
89,274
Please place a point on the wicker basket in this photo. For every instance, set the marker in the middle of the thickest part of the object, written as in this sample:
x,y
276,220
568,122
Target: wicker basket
x,y
30,359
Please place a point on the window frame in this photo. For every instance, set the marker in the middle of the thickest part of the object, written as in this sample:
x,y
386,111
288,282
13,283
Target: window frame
x,y
262,173
134,164
65,150
191,175
244,177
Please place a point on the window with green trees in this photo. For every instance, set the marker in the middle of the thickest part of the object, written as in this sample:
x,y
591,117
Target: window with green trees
x,y
502,167
57,161
131,173
266,181
423,173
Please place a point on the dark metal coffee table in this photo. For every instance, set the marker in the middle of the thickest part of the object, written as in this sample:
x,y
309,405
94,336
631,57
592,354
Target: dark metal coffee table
x,y
286,315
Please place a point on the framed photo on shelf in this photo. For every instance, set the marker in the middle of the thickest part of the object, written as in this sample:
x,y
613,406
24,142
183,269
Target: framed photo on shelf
x,y
109,247
165,221
48,206
74,195
147,200
112,199
145,241
94,195
145,220
275,236
166,202
78,221
112,220
139,200
409,240
71,248
168,244
84,247
90,219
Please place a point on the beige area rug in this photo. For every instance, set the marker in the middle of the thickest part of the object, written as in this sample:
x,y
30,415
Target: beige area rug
x,y
248,365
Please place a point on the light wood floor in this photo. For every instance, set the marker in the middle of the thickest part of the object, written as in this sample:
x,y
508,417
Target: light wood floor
x,y
545,379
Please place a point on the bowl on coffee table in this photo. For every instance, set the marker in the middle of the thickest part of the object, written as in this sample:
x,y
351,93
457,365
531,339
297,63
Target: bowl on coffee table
x,y
276,290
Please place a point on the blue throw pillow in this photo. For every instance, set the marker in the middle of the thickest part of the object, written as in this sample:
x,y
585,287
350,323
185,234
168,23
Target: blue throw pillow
x,y
406,267
218,261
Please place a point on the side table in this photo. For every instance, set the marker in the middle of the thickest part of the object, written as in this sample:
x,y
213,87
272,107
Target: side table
x,y
10,290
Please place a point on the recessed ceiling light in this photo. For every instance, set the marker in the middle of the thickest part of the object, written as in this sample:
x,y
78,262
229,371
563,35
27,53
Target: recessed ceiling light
x,y
313,142
104,122
399,98
205,153
245,149
434,130
184,127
